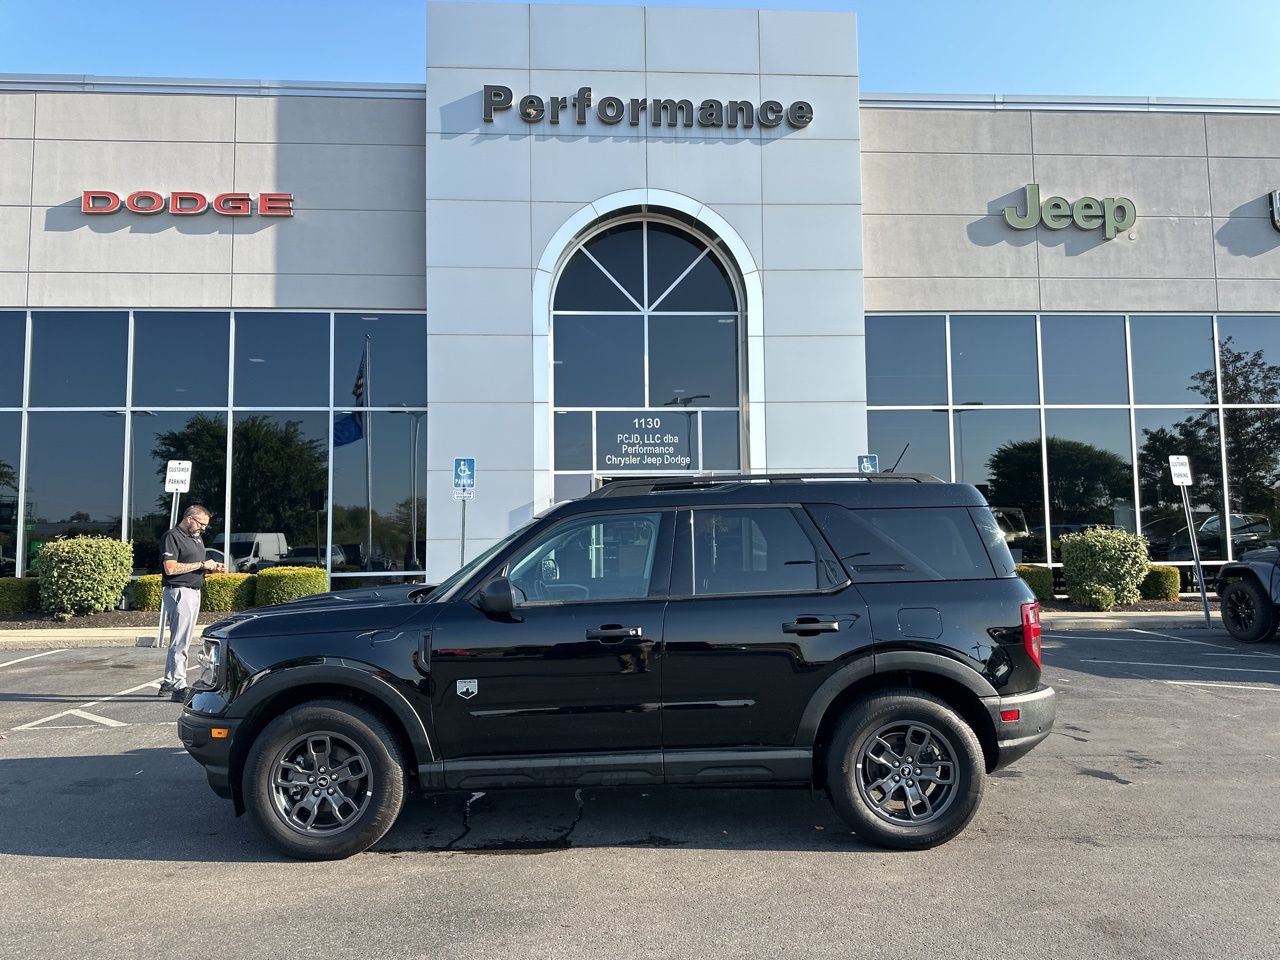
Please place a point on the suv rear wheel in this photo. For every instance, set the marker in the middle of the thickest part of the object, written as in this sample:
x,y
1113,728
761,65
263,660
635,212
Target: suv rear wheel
x,y
904,770
1247,611
324,780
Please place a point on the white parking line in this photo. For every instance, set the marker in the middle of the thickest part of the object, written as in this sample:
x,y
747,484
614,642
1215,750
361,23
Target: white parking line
x,y
1076,636
1185,666
80,710
10,663
1230,686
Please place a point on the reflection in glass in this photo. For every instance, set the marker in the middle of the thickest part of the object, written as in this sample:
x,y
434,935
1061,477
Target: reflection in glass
x,y
282,359
571,486
398,347
78,359
10,447
399,503
599,361
279,477
1253,472
1249,355
13,334
1084,360
1172,360
572,440
157,438
919,437
998,451
721,440
1193,434
993,360
693,361
180,359
1090,471
74,465
906,360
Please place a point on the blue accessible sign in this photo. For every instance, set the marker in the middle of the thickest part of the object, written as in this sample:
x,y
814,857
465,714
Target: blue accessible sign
x,y
464,478
868,463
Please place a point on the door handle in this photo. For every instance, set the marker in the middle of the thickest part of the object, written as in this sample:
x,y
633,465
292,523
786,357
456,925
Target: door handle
x,y
614,633
808,624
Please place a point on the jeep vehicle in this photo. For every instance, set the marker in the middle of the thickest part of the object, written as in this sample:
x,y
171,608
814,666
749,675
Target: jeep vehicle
x,y
866,635
1249,594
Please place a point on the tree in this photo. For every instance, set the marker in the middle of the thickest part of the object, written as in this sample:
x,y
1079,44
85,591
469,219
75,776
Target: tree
x,y
203,441
8,476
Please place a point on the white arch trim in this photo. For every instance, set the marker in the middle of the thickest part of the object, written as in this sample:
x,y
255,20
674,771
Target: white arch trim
x,y
753,291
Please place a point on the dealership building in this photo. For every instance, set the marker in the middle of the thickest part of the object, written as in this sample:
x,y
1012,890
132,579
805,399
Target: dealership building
x,y
605,241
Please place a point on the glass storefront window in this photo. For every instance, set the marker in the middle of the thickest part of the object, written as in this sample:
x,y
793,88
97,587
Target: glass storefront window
x,y
180,359
617,253
74,476
395,500
10,447
279,478
1084,359
919,437
79,359
998,451
1090,471
1173,360
906,360
398,350
993,360
1193,434
13,358
157,438
282,359
693,361
1249,355
720,440
599,361
573,440
1253,470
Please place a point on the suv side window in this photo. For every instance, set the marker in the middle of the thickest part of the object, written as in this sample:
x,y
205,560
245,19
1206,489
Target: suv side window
x,y
588,559
754,550
913,543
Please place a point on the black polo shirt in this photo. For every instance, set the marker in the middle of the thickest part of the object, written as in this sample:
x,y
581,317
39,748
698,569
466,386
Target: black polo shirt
x,y
183,547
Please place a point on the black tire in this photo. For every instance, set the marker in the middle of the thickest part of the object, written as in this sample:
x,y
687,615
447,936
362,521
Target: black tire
x,y
879,734
341,780
1247,611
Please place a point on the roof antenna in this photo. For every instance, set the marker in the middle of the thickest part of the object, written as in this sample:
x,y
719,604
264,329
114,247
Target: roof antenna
x,y
899,460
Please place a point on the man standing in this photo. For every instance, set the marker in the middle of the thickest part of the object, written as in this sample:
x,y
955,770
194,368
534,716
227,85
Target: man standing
x,y
184,564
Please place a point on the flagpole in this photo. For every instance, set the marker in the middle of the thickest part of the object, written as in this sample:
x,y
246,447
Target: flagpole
x,y
368,445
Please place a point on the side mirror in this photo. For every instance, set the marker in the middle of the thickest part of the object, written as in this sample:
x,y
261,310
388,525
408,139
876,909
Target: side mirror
x,y
497,596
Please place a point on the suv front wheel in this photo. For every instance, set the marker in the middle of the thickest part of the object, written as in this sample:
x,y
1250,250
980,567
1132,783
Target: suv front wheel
x,y
904,770
324,780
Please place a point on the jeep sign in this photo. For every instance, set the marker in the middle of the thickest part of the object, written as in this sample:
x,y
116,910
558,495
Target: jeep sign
x,y
1113,214
188,203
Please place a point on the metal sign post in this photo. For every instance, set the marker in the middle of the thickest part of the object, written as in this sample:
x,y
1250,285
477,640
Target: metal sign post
x,y
1180,469
464,489
177,480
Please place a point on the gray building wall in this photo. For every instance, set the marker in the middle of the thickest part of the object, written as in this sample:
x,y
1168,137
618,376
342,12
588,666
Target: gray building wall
x,y
354,165
503,198
936,180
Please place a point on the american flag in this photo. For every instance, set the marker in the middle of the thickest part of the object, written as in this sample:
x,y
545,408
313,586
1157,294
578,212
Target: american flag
x,y
357,390
349,427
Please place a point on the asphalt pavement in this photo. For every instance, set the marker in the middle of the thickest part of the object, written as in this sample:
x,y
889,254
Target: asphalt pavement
x,y
1145,826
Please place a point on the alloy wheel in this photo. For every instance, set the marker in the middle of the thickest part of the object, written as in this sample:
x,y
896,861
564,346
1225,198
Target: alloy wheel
x,y
321,784
906,773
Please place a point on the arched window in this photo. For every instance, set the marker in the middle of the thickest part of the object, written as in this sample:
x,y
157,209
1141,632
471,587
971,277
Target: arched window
x,y
646,355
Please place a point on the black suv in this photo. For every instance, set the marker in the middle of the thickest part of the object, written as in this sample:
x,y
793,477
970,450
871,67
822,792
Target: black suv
x,y
867,635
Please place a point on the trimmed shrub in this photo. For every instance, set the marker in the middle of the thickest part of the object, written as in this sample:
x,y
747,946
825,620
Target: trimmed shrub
x,y
1107,558
1094,596
1039,579
18,596
229,591
144,593
83,575
1161,583
282,584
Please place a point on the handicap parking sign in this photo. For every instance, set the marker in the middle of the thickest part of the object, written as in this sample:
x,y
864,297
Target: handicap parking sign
x,y
464,478
868,463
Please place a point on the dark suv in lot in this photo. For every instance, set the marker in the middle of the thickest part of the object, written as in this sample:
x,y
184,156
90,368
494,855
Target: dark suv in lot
x,y
866,635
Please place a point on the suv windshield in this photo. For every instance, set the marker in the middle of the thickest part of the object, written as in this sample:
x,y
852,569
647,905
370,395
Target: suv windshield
x,y
444,593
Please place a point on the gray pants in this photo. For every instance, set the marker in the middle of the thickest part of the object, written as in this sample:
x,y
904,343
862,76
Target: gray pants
x,y
181,607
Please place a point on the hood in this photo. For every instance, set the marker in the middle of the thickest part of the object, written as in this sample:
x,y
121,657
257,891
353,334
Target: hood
x,y
342,611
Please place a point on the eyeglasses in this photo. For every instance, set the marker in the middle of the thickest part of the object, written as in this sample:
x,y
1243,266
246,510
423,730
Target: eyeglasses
x,y
203,523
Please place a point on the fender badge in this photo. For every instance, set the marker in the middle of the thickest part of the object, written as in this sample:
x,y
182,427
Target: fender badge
x,y
468,688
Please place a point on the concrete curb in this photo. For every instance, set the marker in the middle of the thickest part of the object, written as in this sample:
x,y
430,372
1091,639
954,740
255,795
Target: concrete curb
x,y
56,638
1153,620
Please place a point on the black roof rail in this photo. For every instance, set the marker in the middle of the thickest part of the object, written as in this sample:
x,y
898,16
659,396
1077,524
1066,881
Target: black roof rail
x,y
636,486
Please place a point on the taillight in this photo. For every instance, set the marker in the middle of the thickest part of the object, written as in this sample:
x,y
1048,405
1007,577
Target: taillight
x,y
1031,630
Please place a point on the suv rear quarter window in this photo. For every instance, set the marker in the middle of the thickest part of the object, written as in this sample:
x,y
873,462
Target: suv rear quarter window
x,y
755,550
915,543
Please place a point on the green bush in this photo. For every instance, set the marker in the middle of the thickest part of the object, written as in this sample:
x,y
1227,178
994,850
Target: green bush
x,y
1094,596
282,584
19,596
1039,579
1106,558
144,592
229,591
1161,583
83,575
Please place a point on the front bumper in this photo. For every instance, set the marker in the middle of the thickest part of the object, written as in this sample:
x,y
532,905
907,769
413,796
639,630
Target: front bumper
x,y
213,753
1016,738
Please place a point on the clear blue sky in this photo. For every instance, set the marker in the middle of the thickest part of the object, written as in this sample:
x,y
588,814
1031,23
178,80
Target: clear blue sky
x,y
1175,48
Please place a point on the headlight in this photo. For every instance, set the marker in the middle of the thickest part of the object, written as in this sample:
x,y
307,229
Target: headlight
x,y
212,666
